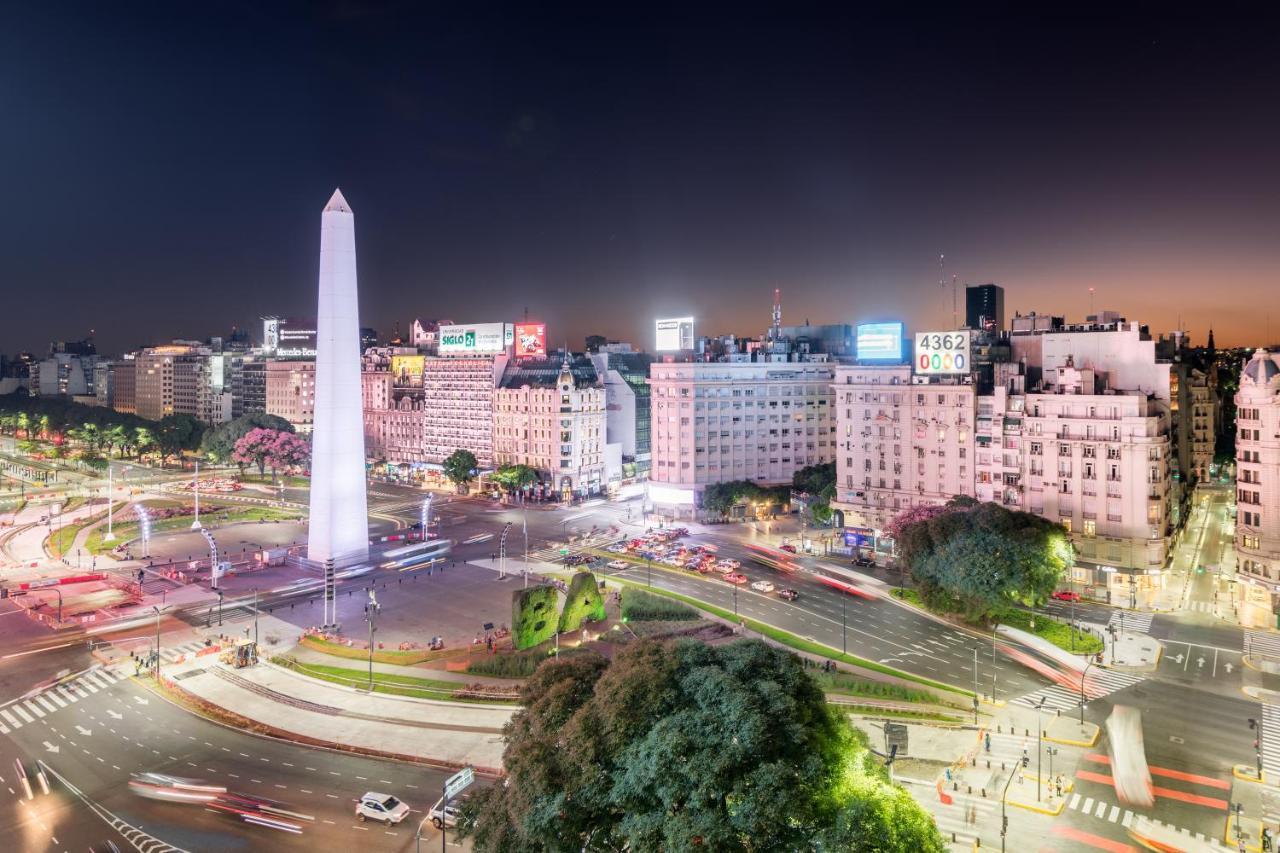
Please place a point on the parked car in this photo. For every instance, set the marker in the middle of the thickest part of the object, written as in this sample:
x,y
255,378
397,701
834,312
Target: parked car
x,y
381,807
734,577
788,594
1066,595
729,564
864,562
762,586
445,816
619,565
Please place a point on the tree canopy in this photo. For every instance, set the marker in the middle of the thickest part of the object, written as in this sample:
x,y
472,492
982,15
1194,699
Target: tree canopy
x,y
460,467
722,497
176,433
979,558
219,443
515,478
684,746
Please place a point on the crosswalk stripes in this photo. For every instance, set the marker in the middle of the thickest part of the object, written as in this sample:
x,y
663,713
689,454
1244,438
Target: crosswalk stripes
x,y
1131,622
1102,682
1271,739
1103,810
169,655
1209,607
24,712
958,822
1262,644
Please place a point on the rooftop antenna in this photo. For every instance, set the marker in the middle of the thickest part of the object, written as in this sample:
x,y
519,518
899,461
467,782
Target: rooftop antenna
x,y
955,317
776,334
942,279
1091,300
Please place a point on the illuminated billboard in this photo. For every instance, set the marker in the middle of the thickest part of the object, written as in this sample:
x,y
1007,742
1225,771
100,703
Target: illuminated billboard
x,y
531,340
942,353
406,370
880,342
674,334
475,338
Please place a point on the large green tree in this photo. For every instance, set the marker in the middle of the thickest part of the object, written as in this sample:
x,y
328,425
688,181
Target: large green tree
x,y
460,467
684,746
979,558
175,434
515,478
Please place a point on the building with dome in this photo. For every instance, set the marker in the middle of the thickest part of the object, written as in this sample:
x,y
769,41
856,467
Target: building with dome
x,y
1257,539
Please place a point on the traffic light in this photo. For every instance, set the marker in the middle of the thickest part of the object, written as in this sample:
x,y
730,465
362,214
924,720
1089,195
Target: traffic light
x,y
1026,760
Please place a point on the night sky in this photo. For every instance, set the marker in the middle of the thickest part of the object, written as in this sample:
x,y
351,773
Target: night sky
x,y
165,166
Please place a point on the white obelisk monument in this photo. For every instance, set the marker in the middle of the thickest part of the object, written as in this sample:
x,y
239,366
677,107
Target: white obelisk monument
x,y
339,524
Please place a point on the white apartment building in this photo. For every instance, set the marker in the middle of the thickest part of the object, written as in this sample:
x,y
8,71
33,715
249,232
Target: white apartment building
x,y
898,445
393,429
1097,463
1257,540
458,406
714,422
291,392
557,428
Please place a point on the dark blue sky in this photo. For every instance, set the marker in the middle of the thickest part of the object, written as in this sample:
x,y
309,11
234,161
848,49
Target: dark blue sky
x,y
165,167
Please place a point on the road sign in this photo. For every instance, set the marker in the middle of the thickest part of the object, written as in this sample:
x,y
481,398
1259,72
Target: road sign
x,y
459,781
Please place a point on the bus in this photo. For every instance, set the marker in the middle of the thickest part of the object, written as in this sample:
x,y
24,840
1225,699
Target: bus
x,y
1058,665
417,555
845,580
773,558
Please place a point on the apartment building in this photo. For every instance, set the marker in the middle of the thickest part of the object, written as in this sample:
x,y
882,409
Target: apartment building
x,y
457,394
1257,540
714,422
394,425
167,380
627,407
552,418
899,445
291,392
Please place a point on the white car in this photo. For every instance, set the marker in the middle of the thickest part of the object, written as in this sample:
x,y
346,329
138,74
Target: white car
x,y
731,565
381,807
442,816
762,586
618,565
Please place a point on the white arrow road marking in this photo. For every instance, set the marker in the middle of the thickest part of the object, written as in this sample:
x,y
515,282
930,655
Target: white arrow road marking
x,y
1178,658
50,747
116,714
82,730
140,700
1200,661
1229,668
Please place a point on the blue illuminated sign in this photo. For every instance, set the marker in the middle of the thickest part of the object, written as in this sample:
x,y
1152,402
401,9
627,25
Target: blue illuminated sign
x,y
880,342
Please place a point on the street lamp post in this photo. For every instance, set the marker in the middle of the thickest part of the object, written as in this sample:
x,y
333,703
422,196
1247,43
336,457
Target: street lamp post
x,y
195,525
1039,745
1004,817
370,613
1082,696
844,627
255,617
648,563
158,611
1052,751
735,602
1255,725
219,608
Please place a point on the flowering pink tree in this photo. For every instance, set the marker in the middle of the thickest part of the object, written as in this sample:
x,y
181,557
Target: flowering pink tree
x,y
921,512
289,452
254,448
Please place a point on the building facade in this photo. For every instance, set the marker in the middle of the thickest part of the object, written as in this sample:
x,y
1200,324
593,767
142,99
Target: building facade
x,y
627,407
291,392
553,421
1257,539
714,422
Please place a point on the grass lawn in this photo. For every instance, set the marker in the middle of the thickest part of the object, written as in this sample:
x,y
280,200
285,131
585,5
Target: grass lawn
x,y
800,643
290,482
1045,628
847,685
400,685
403,658
213,517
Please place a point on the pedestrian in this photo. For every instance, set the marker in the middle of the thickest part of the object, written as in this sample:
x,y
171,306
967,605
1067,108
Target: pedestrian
x,y
988,741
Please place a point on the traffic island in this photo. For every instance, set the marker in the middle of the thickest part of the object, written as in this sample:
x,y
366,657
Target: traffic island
x,y
1069,731
1244,833
1131,651
1044,799
1248,773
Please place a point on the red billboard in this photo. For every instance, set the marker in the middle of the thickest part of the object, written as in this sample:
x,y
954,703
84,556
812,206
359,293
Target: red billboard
x,y
531,340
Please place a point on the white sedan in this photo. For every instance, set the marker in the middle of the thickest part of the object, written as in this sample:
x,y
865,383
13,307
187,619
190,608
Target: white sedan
x,y
762,586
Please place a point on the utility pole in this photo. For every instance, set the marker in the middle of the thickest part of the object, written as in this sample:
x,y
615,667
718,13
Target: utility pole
x,y
975,685
844,632
1039,746
255,617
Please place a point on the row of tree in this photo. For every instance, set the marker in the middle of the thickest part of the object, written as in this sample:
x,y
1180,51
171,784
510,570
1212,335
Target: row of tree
x,y
818,482
720,498
60,428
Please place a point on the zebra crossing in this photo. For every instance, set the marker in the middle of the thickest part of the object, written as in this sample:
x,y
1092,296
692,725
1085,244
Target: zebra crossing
x,y
1271,739
958,822
1101,682
24,712
1262,644
1210,607
1130,622
1112,813
1007,747
182,652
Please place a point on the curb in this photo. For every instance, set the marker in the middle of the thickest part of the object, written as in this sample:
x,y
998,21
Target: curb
x,y
1066,742
1031,807
272,733
1245,773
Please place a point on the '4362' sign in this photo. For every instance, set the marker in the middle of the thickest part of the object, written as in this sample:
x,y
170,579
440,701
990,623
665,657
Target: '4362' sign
x,y
938,353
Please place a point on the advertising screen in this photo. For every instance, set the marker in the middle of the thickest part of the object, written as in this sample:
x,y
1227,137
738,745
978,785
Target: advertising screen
x,y
674,335
475,338
406,370
942,353
880,342
531,340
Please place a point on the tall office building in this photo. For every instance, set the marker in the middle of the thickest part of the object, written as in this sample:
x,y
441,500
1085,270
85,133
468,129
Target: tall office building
x,y
1258,490
984,307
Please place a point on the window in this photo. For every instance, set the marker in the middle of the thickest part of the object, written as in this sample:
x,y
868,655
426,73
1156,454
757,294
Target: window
x,y
1090,527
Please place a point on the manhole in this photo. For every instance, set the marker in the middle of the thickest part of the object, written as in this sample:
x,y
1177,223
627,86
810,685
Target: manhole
x,y
1176,739
188,674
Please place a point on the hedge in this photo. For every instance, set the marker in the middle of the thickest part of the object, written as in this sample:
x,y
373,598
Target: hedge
x,y
641,606
533,615
583,603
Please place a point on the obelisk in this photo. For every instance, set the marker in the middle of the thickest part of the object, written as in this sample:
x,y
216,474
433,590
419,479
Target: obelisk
x,y
339,517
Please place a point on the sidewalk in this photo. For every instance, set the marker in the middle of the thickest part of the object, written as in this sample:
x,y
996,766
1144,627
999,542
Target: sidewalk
x,y
1131,650
302,708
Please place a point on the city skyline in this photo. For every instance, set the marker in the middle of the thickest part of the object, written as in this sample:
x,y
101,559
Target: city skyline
x,y
604,171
